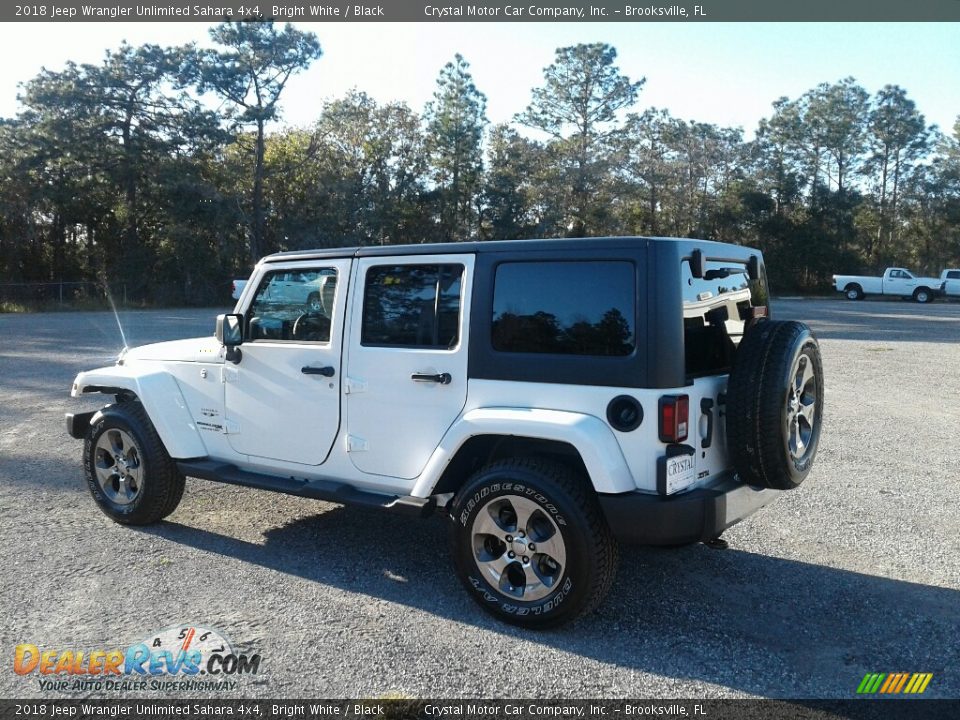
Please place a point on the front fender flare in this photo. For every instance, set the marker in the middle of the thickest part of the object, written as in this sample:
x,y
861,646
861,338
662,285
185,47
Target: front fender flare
x,y
161,397
590,436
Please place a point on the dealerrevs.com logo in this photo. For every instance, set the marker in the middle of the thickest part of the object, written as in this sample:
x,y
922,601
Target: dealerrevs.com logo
x,y
184,657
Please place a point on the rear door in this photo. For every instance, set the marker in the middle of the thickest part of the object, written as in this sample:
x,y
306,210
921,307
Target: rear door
x,y
407,359
283,398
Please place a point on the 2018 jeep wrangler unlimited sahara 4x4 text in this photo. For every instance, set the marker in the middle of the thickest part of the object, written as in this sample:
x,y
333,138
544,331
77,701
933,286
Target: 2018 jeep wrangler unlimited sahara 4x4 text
x,y
549,396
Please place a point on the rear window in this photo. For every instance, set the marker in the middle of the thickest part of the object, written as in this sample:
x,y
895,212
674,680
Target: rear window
x,y
716,311
412,306
565,308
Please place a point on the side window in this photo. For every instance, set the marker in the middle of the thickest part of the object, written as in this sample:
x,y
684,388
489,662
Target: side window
x,y
565,308
293,305
716,309
896,274
412,306
953,275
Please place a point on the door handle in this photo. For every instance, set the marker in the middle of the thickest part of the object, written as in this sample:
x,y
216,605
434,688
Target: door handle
x,y
327,371
441,378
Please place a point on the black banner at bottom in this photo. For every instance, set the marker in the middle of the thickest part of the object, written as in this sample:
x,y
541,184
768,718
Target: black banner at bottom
x,y
398,709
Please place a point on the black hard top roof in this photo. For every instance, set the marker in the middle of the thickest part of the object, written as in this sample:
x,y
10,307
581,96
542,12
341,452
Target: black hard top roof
x,y
489,246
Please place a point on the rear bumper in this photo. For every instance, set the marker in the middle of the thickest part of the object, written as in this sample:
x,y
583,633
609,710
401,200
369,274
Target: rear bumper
x,y
701,514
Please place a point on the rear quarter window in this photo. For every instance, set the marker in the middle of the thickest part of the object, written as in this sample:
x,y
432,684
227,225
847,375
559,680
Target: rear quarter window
x,y
565,308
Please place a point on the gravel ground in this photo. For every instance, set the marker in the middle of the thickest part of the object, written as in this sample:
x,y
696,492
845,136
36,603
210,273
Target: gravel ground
x,y
855,572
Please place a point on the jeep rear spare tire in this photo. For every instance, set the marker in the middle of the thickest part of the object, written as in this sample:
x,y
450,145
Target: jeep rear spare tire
x,y
775,404
530,542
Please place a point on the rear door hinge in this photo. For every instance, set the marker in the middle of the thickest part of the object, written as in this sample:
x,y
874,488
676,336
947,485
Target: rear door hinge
x,y
353,385
356,444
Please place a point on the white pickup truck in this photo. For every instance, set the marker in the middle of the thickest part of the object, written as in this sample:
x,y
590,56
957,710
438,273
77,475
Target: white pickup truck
x,y
950,282
895,281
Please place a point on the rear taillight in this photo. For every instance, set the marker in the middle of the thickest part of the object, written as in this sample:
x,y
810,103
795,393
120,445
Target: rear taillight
x,y
674,418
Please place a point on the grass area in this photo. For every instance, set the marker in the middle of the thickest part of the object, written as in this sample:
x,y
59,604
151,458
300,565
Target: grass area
x,y
35,307
90,305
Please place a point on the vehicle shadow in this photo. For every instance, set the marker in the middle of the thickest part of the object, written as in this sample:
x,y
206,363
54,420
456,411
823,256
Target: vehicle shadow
x,y
755,623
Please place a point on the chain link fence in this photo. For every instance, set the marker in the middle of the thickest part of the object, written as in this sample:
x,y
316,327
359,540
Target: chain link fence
x,y
68,295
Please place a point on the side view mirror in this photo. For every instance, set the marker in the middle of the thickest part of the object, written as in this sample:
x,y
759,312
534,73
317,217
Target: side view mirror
x,y
229,333
698,264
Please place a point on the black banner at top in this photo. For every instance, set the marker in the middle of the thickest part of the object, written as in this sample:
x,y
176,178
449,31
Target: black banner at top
x,y
636,11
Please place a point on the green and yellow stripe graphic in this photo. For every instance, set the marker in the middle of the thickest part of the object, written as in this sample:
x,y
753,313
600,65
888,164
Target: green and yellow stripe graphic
x,y
894,683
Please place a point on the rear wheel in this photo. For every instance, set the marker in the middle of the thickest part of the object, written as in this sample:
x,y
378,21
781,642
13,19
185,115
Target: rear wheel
x,y
128,471
775,404
854,292
530,543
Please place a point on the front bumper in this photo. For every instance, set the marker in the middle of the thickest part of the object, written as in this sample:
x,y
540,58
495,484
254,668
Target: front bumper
x,y
701,514
78,424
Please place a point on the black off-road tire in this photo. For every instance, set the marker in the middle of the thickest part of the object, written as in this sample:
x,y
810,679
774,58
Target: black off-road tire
x,y
570,504
770,358
162,483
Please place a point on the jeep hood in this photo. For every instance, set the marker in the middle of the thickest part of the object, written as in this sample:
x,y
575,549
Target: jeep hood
x,y
203,349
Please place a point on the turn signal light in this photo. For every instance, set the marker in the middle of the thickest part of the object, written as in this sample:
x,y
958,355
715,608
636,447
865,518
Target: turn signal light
x,y
674,418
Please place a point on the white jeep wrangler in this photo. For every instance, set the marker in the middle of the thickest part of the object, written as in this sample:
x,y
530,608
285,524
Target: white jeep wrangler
x,y
549,396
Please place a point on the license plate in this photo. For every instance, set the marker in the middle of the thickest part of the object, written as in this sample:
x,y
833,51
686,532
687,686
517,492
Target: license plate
x,y
681,472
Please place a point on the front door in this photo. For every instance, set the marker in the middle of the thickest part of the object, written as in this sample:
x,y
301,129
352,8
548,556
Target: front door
x,y
407,376
283,397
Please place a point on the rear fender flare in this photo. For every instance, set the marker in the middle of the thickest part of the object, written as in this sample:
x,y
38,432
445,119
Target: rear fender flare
x,y
590,436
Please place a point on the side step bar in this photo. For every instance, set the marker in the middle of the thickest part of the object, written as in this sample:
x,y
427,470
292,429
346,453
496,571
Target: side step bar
x,y
329,490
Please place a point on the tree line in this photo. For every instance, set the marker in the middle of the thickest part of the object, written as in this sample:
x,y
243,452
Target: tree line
x,y
163,168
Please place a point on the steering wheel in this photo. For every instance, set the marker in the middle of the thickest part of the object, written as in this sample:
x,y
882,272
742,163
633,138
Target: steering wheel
x,y
310,327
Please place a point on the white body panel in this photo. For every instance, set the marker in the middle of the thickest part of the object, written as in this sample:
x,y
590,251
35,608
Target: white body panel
x,y
274,410
160,394
394,423
951,282
615,461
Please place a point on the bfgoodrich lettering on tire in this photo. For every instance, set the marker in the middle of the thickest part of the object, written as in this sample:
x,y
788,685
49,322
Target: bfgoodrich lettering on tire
x,y
530,542
775,404
127,469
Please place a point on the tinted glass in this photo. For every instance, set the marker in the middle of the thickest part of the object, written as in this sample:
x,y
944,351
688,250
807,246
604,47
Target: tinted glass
x,y
953,275
412,305
716,310
294,305
565,308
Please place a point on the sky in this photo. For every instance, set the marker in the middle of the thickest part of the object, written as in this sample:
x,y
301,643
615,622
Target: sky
x,y
722,73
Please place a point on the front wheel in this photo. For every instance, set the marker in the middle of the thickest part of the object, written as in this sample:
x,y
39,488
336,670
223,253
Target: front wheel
x,y
923,295
530,543
128,471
